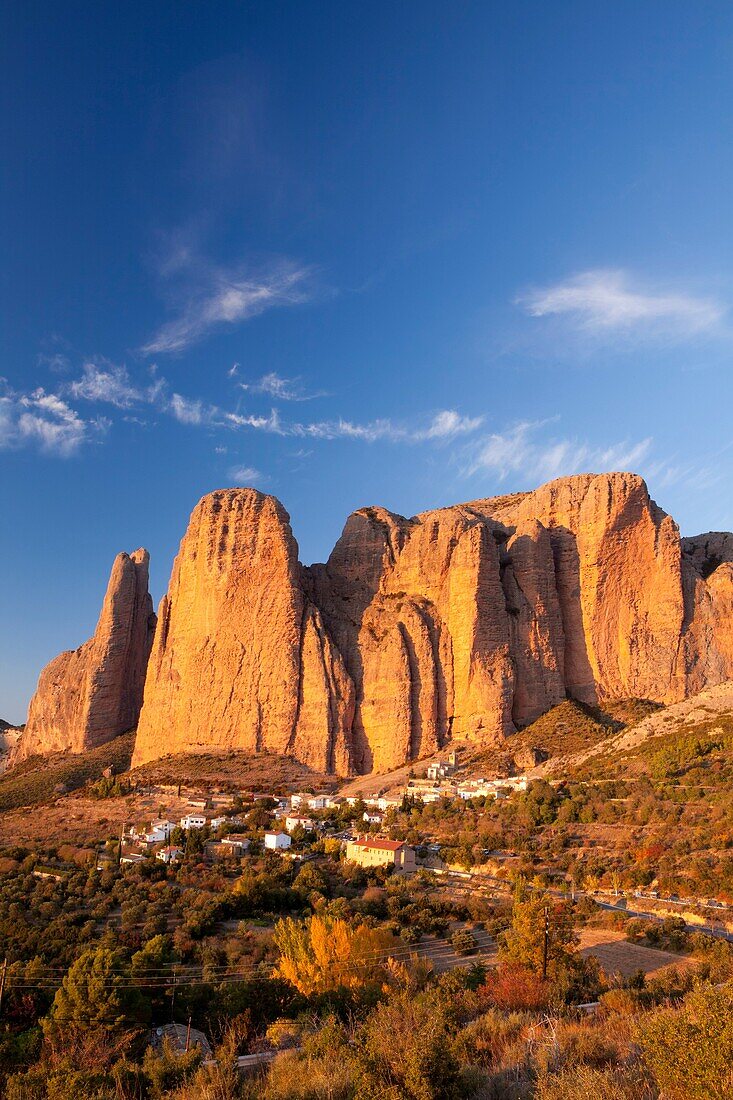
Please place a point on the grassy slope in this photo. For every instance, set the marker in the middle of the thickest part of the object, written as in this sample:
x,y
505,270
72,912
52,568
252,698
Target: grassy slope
x,y
233,771
568,728
695,753
36,779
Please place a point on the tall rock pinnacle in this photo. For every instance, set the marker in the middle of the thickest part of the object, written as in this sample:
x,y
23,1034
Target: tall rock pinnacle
x,y
89,695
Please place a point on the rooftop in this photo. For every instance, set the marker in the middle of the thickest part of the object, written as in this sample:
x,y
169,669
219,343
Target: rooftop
x,y
380,843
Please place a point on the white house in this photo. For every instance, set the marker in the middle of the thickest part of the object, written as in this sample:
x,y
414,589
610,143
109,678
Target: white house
x,y
372,818
132,857
389,803
160,830
169,854
297,800
292,821
277,841
235,844
193,821
217,822
318,802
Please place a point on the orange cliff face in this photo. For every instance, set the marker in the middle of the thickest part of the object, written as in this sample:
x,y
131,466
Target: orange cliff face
x,y
89,695
241,660
464,622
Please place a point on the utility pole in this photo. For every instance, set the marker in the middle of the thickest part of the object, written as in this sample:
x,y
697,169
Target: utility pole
x,y
2,982
122,837
188,1034
545,943
173,995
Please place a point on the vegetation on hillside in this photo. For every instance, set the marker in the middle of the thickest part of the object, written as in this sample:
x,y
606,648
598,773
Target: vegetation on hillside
x,y
41,778
232,770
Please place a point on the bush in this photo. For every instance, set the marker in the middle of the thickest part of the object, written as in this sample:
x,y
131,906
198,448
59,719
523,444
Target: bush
x,y
516,988
463,942
690,1050
582,1082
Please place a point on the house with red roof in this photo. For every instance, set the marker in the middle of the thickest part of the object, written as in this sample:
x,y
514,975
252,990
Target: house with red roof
x,y
370,851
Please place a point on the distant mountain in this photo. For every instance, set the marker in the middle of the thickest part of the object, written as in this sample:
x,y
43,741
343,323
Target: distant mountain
x,y
463,623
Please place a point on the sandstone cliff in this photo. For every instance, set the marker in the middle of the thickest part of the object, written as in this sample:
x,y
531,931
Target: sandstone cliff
x,y
89,695
464,622
241,659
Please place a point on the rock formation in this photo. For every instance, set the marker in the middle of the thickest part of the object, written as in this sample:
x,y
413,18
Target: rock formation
x,y
89,695
460,623
464,622
241,659
9,737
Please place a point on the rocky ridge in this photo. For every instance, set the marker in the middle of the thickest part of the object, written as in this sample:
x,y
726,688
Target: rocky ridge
x,y
465,622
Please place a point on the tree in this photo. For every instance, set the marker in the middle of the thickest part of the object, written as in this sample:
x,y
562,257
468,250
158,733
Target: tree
x,y
523,943
404,1051
463,942
310,878
324,953
690,1050
514,988
96,992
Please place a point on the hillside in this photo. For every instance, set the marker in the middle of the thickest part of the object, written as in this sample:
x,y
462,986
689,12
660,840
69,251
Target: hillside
x,y
233,771
566,730
639,741
39,779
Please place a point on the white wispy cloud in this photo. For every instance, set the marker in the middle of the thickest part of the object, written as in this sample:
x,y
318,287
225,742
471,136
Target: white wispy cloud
x,y
108,383
606,301
45,420
187,411
215,297
448,424
444,426
270,423
283,389
522,449
246,475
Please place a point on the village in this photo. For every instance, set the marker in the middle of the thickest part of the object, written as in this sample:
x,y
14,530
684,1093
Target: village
x,y
224,833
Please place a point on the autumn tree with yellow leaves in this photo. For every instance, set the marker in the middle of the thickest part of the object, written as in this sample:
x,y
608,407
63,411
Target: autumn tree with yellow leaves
x,y
325,953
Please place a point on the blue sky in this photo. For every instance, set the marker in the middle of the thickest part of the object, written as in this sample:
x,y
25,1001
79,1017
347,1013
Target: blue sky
x,y
406,254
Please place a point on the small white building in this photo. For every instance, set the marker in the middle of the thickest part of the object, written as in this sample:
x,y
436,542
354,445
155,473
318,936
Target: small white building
x,y
160,830
193,821
169,854
372,818
217,822
318,802
300,799
277,841
130,857
292,821
389,802
235,844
